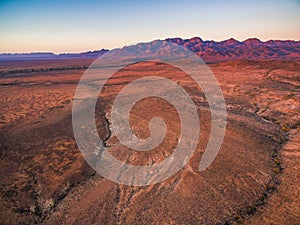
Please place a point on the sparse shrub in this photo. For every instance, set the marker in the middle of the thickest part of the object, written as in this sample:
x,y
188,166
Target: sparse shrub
x,y
261,200
295,125
49,204
284,127
276,170
271,187
251,210
238,218
277,161
274,138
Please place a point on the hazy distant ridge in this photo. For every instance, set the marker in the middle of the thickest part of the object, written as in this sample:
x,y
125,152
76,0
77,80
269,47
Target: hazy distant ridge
x,y
50,55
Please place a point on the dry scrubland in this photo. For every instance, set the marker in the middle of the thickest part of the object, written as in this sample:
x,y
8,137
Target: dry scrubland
x,y
254,179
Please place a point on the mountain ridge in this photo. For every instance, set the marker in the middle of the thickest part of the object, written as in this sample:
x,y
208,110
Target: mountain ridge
x,y
210,51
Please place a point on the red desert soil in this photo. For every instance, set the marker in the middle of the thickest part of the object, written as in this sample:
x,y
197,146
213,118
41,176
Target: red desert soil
x,y
253,180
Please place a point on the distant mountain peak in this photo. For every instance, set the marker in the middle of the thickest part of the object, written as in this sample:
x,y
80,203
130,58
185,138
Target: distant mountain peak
x,y
232,41
196,40
176,40
253,40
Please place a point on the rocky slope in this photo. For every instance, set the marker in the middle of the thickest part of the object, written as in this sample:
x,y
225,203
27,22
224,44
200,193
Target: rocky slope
x,y
250,49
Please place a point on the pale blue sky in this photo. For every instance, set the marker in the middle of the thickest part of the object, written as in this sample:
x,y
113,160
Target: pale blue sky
x,y
75,26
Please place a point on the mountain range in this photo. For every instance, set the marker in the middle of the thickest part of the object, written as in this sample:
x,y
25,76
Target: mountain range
x,y
209,51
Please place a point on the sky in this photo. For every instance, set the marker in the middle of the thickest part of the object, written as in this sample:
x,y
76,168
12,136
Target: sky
x,y
77,26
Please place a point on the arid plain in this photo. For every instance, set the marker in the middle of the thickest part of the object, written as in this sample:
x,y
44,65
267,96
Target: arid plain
x,y
254,179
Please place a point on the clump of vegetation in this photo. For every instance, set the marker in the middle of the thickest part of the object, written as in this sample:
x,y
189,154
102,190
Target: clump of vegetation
x,y
277,167
250,210
238,218
276,170
49,204
284,127
276,161
270,187
295,125
261,200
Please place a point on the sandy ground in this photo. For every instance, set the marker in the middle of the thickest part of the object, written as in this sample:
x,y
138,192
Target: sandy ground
x,y
253,180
